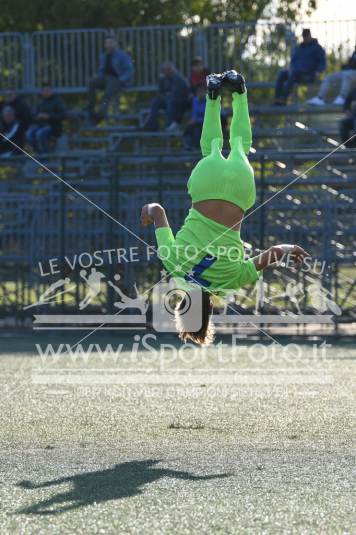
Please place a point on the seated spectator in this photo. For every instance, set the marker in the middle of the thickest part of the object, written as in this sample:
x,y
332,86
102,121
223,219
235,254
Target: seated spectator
x,y
344,79
48,120
307,63
115,73
22,109
14,132
173,98
348,124
194,127
198,74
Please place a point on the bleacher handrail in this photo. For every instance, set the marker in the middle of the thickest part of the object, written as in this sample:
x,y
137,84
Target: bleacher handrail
x,y
69,57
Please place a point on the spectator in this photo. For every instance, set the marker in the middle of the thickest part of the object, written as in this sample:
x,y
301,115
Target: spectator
x,y
173,98
198,74
115,73
194,127
307,63
22,109
12,129
348,124
48,119
345,79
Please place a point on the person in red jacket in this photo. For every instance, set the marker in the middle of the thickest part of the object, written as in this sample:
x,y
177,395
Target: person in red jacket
x,y
198,74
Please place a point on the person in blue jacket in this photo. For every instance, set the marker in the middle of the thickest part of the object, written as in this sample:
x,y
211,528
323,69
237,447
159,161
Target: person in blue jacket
x,y
308,61
115,73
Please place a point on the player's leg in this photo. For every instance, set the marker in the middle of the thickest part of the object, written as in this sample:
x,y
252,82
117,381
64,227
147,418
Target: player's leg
x,y
240,123
212,123
240,127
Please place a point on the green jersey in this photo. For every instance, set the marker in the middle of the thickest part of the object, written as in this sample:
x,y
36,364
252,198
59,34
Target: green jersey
x,y
206,253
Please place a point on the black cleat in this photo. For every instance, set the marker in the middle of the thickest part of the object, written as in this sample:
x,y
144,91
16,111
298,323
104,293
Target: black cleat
x,y
214,85
234,81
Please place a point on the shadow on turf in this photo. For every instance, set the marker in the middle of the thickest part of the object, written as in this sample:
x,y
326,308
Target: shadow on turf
x,y
121,481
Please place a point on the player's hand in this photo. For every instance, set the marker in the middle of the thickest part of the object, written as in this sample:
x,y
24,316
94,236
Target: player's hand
x,y
146,216
154,213
298,254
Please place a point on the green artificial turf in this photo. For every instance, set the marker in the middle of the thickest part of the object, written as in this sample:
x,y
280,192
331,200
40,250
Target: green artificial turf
x,y
243,445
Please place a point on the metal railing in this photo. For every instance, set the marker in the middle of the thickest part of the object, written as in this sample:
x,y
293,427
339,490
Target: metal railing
x,y
34,228
13,61
69,58
52,221
65,226
66,58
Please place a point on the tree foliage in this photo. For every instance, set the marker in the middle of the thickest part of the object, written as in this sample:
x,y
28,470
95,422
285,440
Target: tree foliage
x,y
23,15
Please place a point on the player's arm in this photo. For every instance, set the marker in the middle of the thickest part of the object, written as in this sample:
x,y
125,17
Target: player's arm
x,y
155,214
274,254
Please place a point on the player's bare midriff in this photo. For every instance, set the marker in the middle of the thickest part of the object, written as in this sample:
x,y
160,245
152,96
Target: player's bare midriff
x,y
226,213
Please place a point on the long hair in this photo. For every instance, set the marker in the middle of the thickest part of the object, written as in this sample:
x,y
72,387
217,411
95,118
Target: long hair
x,y
205,335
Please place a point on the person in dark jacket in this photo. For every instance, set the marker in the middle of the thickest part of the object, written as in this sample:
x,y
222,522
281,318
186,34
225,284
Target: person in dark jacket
x,y
13,130
48,120
22,109
307,63
173,98
115,73
345,79
348,124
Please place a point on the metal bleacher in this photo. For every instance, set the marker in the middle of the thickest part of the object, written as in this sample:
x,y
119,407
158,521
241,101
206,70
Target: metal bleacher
x,y
306,193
